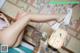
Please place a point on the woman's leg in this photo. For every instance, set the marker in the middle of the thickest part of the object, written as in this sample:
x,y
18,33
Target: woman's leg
x,y
10,34
18,40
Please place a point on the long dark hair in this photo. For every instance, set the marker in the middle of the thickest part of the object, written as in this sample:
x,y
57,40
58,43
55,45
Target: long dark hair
x,y
7,17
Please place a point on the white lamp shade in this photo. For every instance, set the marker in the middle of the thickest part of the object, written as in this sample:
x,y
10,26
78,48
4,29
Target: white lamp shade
x,y
57,38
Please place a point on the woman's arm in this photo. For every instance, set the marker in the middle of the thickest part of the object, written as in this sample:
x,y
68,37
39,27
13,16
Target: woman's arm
x,y
46,18
42,17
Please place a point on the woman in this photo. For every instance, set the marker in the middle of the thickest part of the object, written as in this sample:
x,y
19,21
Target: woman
x,y
11,34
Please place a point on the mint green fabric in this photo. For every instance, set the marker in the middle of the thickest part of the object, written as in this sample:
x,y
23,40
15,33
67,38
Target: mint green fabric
x,y
25,49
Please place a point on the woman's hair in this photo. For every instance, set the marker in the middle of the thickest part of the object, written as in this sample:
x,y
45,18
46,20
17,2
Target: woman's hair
x,y
7,17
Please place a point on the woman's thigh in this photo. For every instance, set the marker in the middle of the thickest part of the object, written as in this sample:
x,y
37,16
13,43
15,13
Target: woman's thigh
x,y
18,40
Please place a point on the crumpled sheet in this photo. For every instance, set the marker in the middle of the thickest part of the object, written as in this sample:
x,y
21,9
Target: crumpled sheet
x,y
3,24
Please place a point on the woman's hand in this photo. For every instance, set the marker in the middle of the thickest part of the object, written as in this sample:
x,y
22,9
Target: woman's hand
x,y
20,15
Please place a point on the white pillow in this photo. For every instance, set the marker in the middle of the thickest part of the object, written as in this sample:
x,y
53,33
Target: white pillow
x,y
2,2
